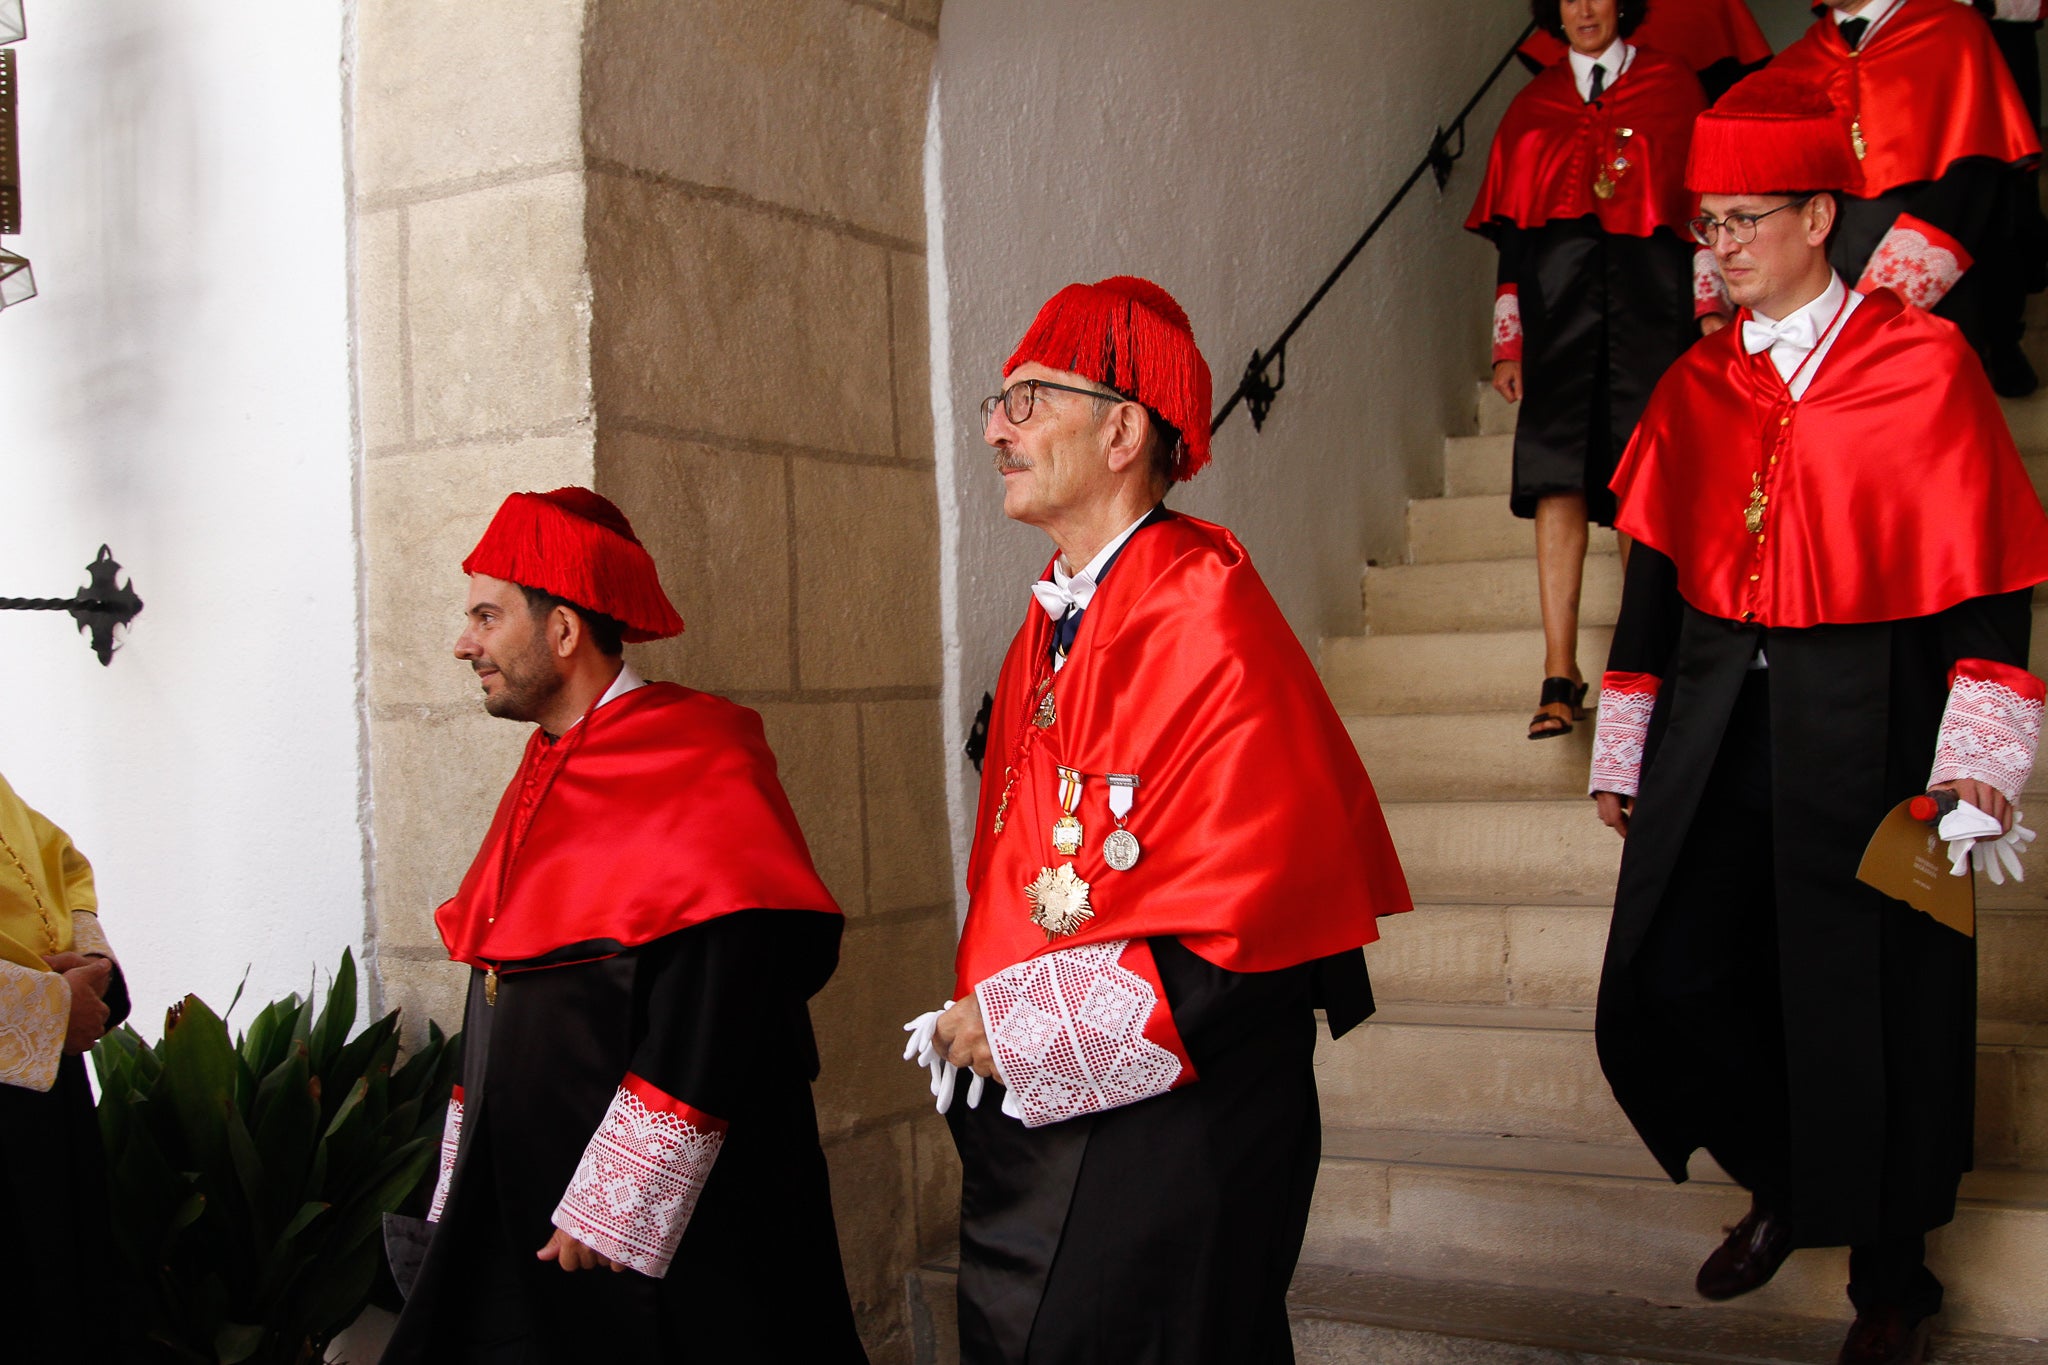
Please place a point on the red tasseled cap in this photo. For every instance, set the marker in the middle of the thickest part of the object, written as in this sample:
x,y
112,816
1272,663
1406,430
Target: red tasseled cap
x,y
1771,135
578,546
1128,334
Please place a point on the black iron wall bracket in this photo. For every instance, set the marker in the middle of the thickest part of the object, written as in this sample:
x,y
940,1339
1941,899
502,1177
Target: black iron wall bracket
x,y
101,605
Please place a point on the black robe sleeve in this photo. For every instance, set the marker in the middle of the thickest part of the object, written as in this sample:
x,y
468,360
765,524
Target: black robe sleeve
x,y
1646,632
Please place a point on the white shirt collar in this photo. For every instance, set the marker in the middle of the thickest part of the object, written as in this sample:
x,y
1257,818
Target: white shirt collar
x,y
627,681
1083,584
1877,11
1835,304
1616,59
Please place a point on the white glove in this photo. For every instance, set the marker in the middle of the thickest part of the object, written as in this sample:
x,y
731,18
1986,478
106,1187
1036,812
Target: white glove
x,y
1977,840
923,1049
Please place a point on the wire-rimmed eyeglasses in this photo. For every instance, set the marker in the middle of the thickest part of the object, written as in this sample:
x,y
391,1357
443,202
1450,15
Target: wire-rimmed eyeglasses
x,y
1739,226
1018,400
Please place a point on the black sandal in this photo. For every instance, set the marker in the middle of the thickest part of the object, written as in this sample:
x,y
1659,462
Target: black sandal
x,y
1557,690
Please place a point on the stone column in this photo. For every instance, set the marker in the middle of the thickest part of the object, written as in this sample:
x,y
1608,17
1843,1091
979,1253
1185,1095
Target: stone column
x,y
675,249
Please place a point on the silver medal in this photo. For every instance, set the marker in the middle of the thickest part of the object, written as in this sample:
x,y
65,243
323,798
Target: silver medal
x,y
1120,850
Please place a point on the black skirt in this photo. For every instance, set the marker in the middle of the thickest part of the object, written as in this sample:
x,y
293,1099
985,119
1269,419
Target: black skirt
x,y
1603,316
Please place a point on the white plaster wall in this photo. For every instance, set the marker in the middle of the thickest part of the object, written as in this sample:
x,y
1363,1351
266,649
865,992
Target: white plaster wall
x,y
180,390
1233,152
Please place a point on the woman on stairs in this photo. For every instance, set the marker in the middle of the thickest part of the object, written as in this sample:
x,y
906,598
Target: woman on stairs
x,y
1600,289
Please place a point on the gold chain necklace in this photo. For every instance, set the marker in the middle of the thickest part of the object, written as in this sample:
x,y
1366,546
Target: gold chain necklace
x,y
35,893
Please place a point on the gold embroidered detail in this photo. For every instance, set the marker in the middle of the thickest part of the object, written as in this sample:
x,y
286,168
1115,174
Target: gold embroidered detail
x,y
87,937
35,1014
35,892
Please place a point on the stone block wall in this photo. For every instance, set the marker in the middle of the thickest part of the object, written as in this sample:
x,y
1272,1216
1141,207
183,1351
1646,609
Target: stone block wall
x,y
674,249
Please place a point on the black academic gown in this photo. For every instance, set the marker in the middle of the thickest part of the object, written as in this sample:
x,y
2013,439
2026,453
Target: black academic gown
x,y
56,1228
1817,1037
715,1015
1164,1232
1603,316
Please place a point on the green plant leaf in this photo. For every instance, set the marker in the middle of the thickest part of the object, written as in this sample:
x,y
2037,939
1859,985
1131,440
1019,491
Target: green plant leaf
x,y
337,1017
237,1341
199,1080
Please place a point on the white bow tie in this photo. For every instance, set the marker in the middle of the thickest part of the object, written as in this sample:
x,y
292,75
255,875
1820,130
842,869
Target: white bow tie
x,y
1796,331
1058,599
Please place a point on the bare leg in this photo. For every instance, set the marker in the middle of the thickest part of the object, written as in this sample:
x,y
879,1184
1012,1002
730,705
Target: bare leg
x,y
1560,565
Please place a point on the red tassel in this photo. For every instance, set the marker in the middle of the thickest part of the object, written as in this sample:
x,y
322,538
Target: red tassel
x,y
1128,334
1771,135
578,546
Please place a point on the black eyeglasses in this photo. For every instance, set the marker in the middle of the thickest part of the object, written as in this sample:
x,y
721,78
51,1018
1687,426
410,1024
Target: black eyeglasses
x,y
1740,226
1021,397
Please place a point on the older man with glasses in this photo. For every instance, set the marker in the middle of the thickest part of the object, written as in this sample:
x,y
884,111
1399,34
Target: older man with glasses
x,y
1827,613
1177,857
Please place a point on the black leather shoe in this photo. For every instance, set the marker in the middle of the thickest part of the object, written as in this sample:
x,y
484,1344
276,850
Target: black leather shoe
x,y
1885,1335
1752,1253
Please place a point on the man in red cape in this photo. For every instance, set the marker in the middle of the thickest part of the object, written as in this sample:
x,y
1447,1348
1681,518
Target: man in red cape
x,y
1827,613
1718,39
643,927
1939,132
1177,857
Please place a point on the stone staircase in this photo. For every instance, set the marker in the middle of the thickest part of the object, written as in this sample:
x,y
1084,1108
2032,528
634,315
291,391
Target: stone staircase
x,y
1482,1197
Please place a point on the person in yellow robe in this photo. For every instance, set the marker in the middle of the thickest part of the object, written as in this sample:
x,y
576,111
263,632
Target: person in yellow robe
x,y
60,989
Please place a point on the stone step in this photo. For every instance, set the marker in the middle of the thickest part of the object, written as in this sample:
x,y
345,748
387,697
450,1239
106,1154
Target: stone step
x,y
1496,416
1344,1316
1594,1218
1533,1073
1441,530
1491,595
1479,594
1548,956
1547,853
1454,671
1477,466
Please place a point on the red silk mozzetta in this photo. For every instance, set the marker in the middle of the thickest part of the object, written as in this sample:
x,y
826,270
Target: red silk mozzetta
x,y
1896,489
1263,843
1927,89
659,811
1552,146
1696,32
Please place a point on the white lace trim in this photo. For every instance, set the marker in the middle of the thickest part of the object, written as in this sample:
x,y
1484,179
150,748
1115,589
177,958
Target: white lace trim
x,y
1709,290
1068,1032
451,1143
1920,270
1990,733
1507,327
35,1016
1618,741
638,1182
86,935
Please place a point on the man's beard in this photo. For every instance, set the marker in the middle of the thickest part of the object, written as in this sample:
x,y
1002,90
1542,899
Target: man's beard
x,y
527,682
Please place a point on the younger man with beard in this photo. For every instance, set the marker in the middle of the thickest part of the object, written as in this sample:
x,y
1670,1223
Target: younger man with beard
x,y
643,928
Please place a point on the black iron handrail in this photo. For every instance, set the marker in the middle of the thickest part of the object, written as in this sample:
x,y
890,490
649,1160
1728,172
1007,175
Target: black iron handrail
x,y
1255,390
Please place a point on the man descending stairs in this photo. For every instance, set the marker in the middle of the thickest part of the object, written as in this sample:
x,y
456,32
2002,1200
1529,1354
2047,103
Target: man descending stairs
x,y
1478,1180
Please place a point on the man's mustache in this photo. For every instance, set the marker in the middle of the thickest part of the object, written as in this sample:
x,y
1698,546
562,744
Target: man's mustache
x,y
1007,463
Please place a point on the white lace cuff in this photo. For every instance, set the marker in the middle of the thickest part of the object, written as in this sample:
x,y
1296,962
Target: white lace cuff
x,y
87,937
1507,325
1626,701
1917,261
451,1143
1992,726
2017,11
638,1182
35,1015
1078,1031
1709,290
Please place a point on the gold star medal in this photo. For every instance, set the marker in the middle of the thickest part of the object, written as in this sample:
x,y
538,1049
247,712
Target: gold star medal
x,y
1066,831
1059,901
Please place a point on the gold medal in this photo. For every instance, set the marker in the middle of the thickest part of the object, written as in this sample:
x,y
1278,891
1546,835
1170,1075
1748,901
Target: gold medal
x,y
1856,138
1066,831
1059,901
1047,712
1603,186
491,986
